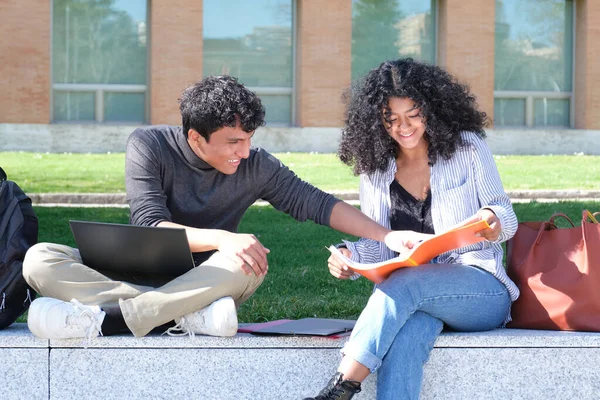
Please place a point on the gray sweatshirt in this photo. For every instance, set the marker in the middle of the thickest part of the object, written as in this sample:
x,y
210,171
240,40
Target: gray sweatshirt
x,y
166,181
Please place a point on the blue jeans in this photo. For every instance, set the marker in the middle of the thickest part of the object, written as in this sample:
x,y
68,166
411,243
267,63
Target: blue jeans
x,y
397,329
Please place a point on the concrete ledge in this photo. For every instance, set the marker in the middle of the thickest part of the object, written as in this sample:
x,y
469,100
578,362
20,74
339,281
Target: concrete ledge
x,y
78,198
101,138
118,199
527,141
505,363
18,336
24,365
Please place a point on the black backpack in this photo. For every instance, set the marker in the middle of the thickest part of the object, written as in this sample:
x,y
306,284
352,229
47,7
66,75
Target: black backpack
x,y
18,232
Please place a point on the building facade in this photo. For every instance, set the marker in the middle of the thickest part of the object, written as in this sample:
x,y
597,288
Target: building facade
x,y
78,75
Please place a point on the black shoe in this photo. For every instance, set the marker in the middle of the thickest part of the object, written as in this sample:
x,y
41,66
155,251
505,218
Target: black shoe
x,y
338,389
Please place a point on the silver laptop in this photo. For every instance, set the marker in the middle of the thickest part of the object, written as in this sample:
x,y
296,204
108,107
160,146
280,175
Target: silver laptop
x,y
133,249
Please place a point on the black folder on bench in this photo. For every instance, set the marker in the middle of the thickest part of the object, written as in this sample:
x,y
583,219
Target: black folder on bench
x,y
307,326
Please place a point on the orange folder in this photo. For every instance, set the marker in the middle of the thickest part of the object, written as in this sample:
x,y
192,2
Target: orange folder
x,y
422,253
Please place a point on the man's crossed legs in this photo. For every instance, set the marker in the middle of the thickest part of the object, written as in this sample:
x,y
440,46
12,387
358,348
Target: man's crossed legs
x,y
80,301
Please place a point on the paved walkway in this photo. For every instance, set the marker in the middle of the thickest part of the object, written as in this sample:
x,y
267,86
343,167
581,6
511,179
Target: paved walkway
x,y
118,199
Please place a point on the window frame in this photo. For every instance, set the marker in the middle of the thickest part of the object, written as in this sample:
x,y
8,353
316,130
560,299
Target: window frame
x,y
531,95
291,91
435,9
100,89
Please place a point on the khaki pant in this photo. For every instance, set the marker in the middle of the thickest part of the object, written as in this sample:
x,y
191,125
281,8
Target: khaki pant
x,y
57,271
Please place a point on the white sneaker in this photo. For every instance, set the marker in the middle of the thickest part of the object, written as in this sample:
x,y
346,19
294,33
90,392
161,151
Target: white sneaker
x,y
218,319
55,319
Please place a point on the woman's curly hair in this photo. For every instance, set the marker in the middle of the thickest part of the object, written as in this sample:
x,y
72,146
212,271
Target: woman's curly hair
x,y
446,106
219,101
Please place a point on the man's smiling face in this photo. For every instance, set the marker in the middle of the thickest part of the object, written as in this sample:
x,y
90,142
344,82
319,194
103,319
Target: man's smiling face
x,y
225,149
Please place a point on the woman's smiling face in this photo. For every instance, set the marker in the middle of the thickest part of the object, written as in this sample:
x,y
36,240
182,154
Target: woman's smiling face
x,y
404,122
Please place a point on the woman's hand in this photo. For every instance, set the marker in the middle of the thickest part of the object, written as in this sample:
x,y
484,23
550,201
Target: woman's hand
x,y
338,267
493,232
403,241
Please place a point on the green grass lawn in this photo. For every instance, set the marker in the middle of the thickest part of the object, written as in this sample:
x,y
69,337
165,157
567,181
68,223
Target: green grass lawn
x,y
298,284
104,173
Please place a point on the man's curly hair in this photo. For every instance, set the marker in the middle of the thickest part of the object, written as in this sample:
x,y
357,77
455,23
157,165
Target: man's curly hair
x,y
446,106
219,101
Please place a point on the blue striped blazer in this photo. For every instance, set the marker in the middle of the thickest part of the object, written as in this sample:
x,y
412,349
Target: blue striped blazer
x,y
460,187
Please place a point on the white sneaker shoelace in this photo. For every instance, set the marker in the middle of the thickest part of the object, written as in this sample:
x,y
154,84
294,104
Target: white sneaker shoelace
x,y
85,318
181,329
217,319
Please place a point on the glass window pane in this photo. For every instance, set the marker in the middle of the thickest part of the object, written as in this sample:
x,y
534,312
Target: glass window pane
x,y
74,106
509,112
251,40
99,41
127,107
277,108
552,112
534,45
391,29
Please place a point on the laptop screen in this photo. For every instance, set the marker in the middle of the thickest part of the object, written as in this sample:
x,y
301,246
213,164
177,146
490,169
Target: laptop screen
x,y
133,249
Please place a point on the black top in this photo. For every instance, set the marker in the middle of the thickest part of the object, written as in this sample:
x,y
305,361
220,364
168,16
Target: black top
x,y
408,213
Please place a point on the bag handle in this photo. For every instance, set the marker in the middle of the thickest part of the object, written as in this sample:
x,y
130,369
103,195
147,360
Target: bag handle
x,y
546,226
550,225
563,216
588,215
3,176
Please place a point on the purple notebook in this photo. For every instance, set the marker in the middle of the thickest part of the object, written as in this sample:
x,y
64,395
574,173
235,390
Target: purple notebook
x,y
250,328
305,326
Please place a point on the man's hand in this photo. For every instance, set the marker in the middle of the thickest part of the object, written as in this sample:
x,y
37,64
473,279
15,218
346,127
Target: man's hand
x,y
403,241
246,251
337,267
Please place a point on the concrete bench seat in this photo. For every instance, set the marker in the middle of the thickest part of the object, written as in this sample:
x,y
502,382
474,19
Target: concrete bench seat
x,y
500,364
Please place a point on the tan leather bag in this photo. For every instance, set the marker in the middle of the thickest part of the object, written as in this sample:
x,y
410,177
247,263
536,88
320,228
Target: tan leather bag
x,y
558,273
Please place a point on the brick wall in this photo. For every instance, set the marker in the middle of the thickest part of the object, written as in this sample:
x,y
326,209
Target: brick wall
x,y
175,55
466,46
25,61
324,32
323,59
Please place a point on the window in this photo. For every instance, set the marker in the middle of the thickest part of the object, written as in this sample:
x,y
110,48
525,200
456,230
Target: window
x,y
99,53
391,29
253,41
533,63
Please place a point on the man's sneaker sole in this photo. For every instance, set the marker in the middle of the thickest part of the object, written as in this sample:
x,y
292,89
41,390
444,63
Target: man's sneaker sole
x,y
40,323
39,308
226,306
